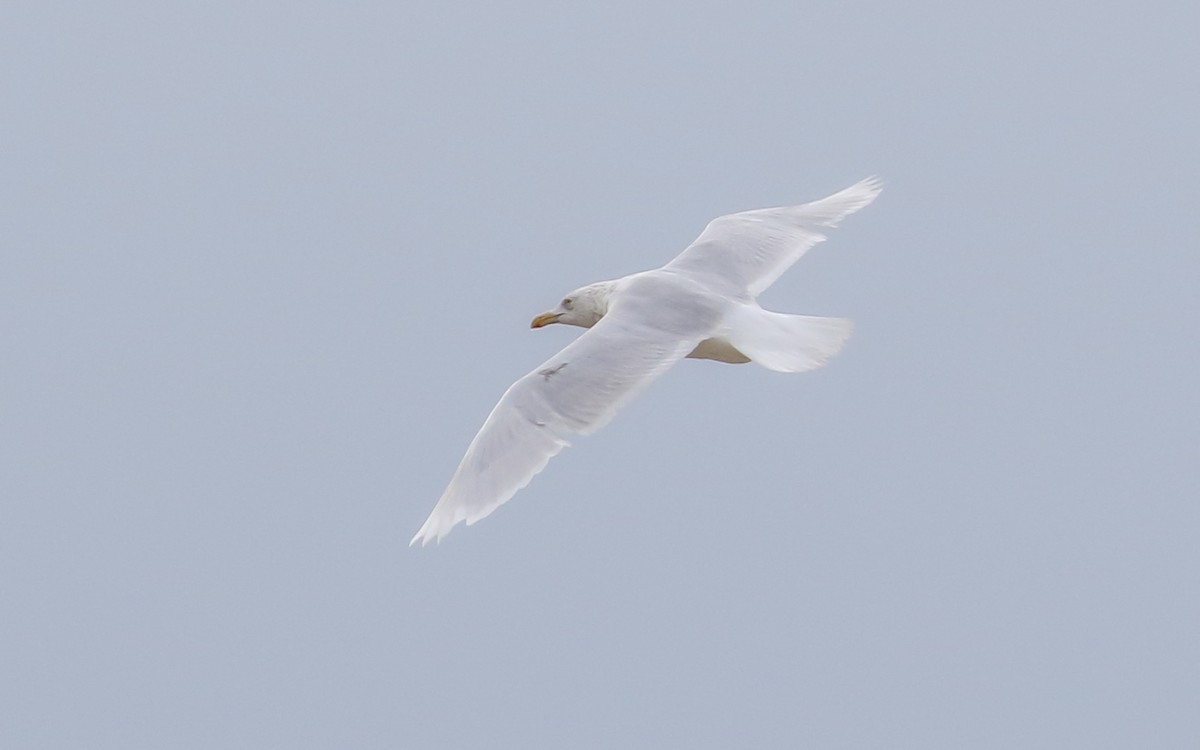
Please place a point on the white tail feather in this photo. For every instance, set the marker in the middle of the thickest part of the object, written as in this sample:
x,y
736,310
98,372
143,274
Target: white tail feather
x,y
787,343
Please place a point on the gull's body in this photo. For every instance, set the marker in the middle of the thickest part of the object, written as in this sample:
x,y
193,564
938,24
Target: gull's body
x,y
702,304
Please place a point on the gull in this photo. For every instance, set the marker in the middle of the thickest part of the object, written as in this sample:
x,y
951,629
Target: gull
x,y
702,305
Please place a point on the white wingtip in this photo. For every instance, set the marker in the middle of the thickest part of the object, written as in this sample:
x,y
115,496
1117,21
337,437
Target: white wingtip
x,y
829,211
434,528
422,536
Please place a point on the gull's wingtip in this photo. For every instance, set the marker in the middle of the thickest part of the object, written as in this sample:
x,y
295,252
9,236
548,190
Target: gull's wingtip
x,y
830,210
440,523
868,188
425,537
431,530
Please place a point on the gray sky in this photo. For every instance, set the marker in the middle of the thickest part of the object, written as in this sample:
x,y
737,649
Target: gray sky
x,y
266,268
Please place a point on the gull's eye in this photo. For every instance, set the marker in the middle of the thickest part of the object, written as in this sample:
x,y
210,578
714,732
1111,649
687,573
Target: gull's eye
x,y
567,302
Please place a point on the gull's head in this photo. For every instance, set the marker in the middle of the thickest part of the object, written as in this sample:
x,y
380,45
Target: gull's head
x,y
583,307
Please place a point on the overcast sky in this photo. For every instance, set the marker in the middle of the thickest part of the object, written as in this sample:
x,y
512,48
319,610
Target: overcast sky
x,y
266,267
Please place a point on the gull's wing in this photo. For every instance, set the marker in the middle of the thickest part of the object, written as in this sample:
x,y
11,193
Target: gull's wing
x,y
747,252
577,391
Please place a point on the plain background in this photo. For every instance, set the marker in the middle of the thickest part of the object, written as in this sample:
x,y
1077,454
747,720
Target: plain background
x,y
266,267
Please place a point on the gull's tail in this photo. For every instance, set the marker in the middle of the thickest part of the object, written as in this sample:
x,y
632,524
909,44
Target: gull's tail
x,y
787,343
